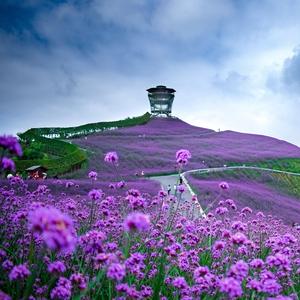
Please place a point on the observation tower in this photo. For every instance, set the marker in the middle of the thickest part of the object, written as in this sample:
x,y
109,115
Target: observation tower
x,y
161,100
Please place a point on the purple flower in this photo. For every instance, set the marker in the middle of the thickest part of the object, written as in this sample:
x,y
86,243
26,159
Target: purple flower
x,y
221,210
135,264
120,184
92,241
257,263
111,157
278,260
78,280
95,194
136,202
239,270
182,156
224,185
239,238
7,265
63,290
232,287
194,198
11,143
146,292
18,272
56,267
254,284
180,188
93,175
199,273
271,286
55,228
179,283
116,271
137,221
134,192
247,210
4,296
219,245
7,164
69,184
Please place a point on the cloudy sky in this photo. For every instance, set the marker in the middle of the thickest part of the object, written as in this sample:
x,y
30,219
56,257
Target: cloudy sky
x,y
234,63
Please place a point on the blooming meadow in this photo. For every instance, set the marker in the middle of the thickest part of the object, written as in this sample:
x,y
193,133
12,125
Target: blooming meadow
x,y
151,148
123,243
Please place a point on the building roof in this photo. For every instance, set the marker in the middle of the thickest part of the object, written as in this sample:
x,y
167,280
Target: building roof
x,y
34,168
161,88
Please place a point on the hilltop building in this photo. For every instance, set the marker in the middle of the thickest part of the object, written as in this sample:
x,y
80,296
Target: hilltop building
x,y
161,100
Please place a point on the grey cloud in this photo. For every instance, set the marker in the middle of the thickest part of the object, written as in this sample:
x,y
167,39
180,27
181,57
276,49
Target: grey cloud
x,y
291,73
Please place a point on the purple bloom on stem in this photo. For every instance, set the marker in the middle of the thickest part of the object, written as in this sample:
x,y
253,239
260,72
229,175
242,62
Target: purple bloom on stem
x,y
78,280
93,175
55,228
111,157
182,156
137,221
180,188
95,194
219,246
56,267
239,238
221,210
200,272
239,270
232,287
224,185
11,143
120,184
4,296
116,271
63,290
247,210
271,286
179,282
134,192
7,164
257,263
19,272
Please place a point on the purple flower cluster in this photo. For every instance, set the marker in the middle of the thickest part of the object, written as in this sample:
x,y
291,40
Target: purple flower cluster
x,y
7,164
56,229
111,157
182,156
56,267
137,221
93,175
63,290
11,143
116,271
137,245
19,272
95,194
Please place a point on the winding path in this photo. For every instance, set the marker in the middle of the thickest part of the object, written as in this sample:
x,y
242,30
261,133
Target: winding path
x,y
172,179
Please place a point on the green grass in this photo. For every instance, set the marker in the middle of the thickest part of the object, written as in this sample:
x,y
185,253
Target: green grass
x,y
283,164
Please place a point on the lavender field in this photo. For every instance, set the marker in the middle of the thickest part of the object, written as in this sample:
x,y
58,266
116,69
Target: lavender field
x,y
151,147
108,232
274,194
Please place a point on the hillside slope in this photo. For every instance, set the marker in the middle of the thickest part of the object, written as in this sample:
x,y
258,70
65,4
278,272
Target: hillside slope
x,y
151,147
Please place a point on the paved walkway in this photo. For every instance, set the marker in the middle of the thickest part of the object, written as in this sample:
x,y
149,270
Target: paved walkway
x,y
173,180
